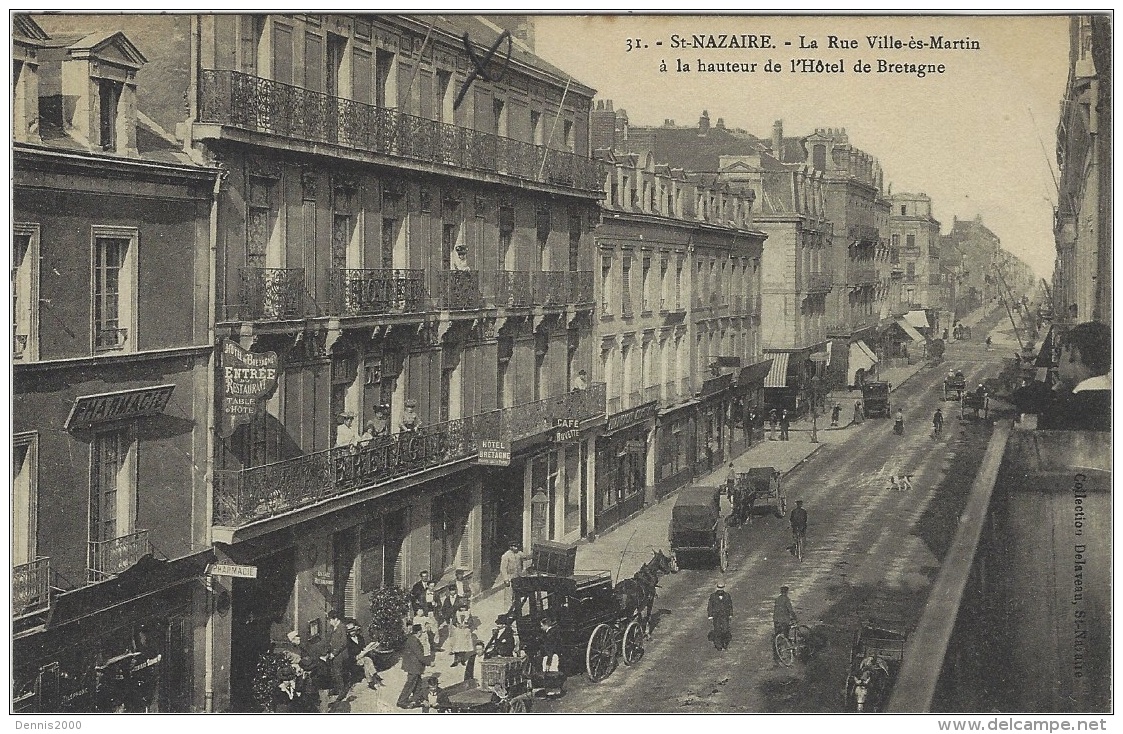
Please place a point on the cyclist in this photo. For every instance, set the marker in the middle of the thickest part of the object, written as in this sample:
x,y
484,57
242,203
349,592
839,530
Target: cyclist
x,y
783,616
938,422
798,520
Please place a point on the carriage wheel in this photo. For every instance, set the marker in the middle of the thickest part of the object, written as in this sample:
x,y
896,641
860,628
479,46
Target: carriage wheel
x,y
631,646
517,705
784,650
723,554
600,655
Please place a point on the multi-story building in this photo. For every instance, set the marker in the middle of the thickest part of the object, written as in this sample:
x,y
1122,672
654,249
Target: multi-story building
x,y
1082,278
414,243
975,248
796,276
678,326
914,234
111,350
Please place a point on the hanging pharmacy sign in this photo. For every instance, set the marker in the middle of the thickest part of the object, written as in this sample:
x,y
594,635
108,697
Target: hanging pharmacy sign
x,y
247,379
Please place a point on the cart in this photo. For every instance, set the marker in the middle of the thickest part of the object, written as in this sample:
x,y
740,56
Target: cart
x,y
875,399
697,531
875,660
955,384
978,403
765,491
504,687
595,631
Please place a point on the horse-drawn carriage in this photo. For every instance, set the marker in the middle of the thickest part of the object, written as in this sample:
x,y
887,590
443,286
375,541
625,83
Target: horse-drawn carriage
x,y
875,399
875,659
597,623
698,530
976,401
504,687
955,384
757,491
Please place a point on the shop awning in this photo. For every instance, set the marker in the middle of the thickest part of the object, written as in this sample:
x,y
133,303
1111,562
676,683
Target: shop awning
x,y
822,356
909,329
861,358
754,374
918,319
778,372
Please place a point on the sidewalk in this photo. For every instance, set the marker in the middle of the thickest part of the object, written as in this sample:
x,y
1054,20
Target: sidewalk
x,y
627,547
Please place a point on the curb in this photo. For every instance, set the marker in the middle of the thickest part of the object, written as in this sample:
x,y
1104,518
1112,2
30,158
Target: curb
x,y
802,461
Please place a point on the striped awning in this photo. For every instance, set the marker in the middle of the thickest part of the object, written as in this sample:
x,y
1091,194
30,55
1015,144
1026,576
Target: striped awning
x,y
778,374
910,330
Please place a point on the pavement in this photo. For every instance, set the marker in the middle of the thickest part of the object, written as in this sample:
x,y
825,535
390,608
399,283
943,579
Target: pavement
x,y
628,546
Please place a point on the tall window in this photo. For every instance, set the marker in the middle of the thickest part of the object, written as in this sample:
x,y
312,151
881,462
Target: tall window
x,y
112,487
109,97
343,224
261,221
499,111
910,241
505,351
385,93
541,346
25,287
542,230
337,85
606,284
114,289
445,94
646,284
678,286
574,243
536,127
567,135
626,287
664,268
506,232
24,474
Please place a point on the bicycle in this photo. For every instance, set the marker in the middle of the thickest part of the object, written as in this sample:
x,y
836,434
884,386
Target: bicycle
x,y
937,429
799,538
795,644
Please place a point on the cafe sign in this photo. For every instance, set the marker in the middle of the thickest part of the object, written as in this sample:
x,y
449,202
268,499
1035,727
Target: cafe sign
x,y
567,430
247,378
114,406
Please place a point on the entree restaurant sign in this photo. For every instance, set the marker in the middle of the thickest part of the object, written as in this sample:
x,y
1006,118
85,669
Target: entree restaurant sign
x,y
247,378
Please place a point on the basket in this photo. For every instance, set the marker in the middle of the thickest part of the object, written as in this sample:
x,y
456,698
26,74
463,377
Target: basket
x,y
555,559
505,672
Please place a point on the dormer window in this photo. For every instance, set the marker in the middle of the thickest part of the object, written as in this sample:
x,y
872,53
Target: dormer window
x,y
99,75
109,99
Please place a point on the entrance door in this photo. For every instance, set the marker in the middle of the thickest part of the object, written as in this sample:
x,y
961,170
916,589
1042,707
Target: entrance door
x,y
256,605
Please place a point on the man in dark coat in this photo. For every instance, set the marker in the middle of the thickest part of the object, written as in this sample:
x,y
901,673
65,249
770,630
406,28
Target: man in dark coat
x,y
502,643
413,663
338,659
785,424
783,615
772,418
417,593
551,653
474,660
720,610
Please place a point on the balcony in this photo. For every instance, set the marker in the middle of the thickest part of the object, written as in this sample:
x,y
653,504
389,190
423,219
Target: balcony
x,y
864,234
19,345
238,100
371,292
581,287
863,274
456,290
508,288
820,282
31,588
668,391
551,288
106,339
269,294
758,306
614,405
111,557
650,394
685,388
243,496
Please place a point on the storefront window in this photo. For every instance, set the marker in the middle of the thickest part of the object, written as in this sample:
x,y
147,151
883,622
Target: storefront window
x,y
572,520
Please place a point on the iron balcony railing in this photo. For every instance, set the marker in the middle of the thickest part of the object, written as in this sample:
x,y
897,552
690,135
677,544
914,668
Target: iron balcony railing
x,y
581,286
864,234
31,588
110,338
249,102
863,274
614,405
373,291
820,282
111,557
270,294
509,288
524,288
551,288
19,345
456,290
650,393
758,306
243,496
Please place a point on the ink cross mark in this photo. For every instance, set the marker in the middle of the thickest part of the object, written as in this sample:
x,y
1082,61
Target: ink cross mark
x,y
481,65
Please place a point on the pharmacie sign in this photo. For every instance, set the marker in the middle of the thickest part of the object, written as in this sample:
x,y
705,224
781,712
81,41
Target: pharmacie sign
x,y
114,406
247,379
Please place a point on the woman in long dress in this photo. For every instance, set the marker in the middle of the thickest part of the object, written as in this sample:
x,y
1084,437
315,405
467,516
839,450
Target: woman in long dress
x,y
461,640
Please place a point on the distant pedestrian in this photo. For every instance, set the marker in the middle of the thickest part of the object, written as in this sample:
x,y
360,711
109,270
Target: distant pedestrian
x,y
772,419
783,616
720,611
730,482
750,426
785,424
859,416
836,412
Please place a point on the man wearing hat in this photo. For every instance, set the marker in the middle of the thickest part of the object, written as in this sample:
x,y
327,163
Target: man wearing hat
x,y
510,566
783,615
345,432
720,611
503,641
413,663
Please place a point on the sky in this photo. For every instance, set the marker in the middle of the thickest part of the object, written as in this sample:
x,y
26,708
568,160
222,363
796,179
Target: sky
x,y
979,139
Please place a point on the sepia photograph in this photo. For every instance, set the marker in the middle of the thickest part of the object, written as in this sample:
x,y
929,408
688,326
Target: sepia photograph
x,y
555,363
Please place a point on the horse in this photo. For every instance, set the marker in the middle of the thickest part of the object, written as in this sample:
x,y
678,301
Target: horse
x,y
636,596
868,687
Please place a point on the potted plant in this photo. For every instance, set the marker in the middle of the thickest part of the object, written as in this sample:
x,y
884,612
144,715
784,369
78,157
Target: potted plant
x,y
390,607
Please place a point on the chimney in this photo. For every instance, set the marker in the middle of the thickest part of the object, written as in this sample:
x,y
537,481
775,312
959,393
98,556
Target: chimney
x,y
720,123
704,122
778,140
603,126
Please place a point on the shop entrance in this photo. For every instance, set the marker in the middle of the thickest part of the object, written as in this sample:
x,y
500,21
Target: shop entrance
x,y
502,518
257,606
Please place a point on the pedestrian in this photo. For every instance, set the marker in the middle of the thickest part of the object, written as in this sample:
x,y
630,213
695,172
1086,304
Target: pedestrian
x,y
552,676
772,419
783,616
785,424
859,416
474,661
836,413
730,482
417,591
720,611
423,619
461,640
413,663
503,641
338,659
463,584
510,566
899,423
750,426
